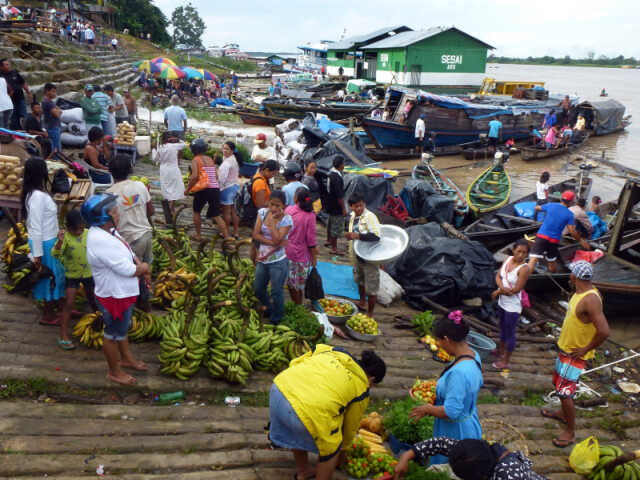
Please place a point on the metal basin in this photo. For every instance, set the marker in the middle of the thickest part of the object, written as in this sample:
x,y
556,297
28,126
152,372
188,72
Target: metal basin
x,y
393,242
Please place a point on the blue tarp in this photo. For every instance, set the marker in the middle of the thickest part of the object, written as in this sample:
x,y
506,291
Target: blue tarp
x,y
327,125
338,280
221,101
599,225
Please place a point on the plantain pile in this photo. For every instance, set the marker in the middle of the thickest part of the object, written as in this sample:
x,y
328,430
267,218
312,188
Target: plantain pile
x,y
626,471
90,330
17,265
145,326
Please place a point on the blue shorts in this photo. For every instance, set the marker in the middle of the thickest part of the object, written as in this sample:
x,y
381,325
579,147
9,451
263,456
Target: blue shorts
x,y
286,430
228,195
116,330
54,136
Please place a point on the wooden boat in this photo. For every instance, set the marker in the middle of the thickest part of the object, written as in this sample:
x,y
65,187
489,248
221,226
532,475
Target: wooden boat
x,y
536,153
335,111
491,190
484,152
255,117
444,186
502,226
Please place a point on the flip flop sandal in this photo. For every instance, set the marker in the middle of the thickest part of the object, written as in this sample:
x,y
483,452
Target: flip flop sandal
x,y
546,414
54,322
66,344
562,443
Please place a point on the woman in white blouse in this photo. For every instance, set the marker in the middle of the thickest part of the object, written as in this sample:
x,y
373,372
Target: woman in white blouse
x,y
171,183
41,214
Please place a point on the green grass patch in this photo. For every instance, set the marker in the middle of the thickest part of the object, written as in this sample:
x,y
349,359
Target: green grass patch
x,y
533,398
210,115
488,399
33,387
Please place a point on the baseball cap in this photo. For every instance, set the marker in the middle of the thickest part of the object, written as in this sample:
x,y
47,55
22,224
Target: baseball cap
x,y
569,195
582,269
260,138
88,87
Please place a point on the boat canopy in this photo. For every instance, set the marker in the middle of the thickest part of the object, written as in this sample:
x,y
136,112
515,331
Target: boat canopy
x,y
604,116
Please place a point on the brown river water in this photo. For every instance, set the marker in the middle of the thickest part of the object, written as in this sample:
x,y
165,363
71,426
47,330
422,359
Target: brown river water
x,y
586,82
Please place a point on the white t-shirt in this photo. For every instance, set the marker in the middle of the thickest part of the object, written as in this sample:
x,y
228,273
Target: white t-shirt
x,y
114,42
510,303
541,190
5,99
112,265
228,172
42,220
420,128
133,197
262,154
88,34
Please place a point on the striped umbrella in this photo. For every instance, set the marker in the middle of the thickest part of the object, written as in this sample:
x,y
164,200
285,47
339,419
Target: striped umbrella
x,y
171,73
191,72
207,75
151,67
168,61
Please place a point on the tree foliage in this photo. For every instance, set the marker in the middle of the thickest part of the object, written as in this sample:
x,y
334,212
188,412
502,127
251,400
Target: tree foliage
x,y
141,16
188,27
567,60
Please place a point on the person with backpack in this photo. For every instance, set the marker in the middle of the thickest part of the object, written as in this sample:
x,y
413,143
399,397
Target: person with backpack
x,y
204,183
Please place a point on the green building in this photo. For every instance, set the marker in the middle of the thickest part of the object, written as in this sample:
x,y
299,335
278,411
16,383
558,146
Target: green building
x,y
439,58
347,53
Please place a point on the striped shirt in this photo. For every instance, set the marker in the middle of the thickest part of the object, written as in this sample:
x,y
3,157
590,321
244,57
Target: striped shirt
x,y
212,175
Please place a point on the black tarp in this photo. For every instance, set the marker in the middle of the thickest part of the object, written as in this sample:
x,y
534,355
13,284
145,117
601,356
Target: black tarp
x,y
442,269
375,190
602,116
422,200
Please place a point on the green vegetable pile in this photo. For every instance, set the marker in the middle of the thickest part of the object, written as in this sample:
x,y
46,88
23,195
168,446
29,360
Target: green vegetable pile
x,y
396,421
302,321
423,322
418,472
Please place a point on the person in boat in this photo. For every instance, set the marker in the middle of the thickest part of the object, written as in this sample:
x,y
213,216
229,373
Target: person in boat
x,y
550,120
387,114
603,93
580,123
565,104
419,133
511,279
407,109
495,133
565,136
596,206
583,224
535,137
557,217
584,329
542,188
550,138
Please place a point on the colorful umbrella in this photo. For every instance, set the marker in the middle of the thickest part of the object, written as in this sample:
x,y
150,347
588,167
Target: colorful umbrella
x,y
207,75
171,73
151,67
14,11
168,61
191,72
144,65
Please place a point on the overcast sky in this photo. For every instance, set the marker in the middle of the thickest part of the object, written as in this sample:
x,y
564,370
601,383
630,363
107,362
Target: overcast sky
x,y
557,28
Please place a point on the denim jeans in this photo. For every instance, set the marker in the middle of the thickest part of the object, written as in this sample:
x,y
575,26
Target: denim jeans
x,y
19,112
5,117
54,136
276,273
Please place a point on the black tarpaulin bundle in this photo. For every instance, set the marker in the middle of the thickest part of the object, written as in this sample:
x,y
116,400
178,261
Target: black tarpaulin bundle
x,y
422,200
442,269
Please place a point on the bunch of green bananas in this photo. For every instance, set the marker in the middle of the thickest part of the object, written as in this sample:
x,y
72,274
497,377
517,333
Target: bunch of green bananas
x,y
608,453
230,360
90,330
15,277
145,326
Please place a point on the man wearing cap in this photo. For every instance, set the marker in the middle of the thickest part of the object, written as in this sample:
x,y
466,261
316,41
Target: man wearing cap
x,y
91,109
261,152
584,329
557,217
420,131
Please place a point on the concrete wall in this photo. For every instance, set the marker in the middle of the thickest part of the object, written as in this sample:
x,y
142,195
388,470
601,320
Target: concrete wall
x,y
428,78
348,71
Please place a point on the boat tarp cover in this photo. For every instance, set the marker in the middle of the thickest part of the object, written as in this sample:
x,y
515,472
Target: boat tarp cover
x,y
318,130
442,269
356,85
608,115
375,190
422,200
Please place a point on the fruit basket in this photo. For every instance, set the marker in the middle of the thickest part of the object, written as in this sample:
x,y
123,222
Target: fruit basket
x,y
326,304
424,391
363,328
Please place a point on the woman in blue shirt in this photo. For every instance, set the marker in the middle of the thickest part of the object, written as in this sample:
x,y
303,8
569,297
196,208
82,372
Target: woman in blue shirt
x,y
455,410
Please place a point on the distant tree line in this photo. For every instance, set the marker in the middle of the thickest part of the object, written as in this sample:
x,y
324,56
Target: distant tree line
x,y
141,16
590,59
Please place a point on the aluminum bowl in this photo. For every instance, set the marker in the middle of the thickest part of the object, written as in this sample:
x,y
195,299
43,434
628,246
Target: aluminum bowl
x,y
343,319
393,242
363,337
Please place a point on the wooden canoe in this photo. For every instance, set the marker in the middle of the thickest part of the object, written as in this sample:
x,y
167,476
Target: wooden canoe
x,y
502,226
256,118
535,153
490,191
444,186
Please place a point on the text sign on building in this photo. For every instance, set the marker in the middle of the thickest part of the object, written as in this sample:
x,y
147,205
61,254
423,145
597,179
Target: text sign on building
x,y
451,61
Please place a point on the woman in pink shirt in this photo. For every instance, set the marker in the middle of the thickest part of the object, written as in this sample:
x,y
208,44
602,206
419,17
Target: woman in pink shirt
x,y
550,138
301,249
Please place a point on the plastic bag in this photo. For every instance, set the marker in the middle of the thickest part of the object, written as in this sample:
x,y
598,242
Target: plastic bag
x,y
585,456
323,320
313,287
389,289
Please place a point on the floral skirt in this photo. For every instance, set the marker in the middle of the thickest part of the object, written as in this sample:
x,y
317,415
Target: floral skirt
x,y
298,273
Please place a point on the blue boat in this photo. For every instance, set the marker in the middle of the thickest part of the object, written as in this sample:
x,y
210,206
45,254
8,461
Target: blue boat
x,y
450,120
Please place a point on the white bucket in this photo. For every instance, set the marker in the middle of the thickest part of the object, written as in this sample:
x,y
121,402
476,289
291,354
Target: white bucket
x,y
143,145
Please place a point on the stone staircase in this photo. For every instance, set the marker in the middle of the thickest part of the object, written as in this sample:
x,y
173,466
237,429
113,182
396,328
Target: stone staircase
x,y
69,66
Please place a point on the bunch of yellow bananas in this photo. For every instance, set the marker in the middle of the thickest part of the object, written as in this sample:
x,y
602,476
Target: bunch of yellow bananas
x,y
90,330
172,285
11,244
373,441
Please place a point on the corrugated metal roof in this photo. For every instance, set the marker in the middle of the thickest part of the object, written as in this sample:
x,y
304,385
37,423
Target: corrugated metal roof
x,y
350,42
405,39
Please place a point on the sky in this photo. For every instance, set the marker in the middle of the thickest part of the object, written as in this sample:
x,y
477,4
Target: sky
x,y
569,27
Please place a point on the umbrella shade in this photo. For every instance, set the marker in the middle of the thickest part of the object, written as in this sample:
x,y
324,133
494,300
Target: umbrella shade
x,y
207,75
192,73
144,65
168,61
14,10
171,73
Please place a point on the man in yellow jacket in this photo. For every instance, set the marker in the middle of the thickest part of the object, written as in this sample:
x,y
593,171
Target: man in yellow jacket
x,y
317,403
